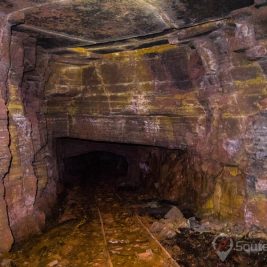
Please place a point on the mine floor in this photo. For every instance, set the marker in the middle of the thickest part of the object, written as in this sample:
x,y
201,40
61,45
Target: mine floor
x,y
95,229
99,226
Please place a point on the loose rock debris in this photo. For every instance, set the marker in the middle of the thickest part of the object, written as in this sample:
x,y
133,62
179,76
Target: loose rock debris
x,y
98,227
94,229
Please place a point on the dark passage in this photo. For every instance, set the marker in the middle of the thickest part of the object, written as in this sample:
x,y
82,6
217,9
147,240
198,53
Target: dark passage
x,y
94,166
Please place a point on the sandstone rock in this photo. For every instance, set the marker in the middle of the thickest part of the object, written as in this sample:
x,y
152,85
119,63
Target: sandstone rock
x,y
193,223
174,214
164,229
146,256
244,35
5,157
256,52
53,263
168,231
156,227
167,228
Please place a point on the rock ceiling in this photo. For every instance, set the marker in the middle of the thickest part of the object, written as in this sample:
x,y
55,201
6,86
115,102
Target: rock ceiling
x,y
63,23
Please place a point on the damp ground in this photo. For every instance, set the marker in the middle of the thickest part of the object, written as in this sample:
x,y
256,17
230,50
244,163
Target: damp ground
x,y
102,226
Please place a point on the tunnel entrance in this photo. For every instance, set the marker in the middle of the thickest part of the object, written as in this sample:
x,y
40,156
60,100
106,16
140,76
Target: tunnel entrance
x,y
93,167
149,170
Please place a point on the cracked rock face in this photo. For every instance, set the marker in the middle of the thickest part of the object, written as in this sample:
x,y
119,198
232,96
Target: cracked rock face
x,y
5,157
193,78
93,21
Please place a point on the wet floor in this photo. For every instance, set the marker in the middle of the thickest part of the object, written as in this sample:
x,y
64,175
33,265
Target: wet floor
x,y
95,229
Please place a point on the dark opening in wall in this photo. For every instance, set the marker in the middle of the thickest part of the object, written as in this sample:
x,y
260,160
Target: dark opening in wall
x,y
94,166
157,172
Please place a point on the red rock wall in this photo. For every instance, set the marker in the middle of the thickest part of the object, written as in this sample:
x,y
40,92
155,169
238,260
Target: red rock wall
x,y
28,172
23,167
5,232
207,95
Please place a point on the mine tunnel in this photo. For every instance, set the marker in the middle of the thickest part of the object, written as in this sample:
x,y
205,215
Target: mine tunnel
x,y
96,165
133,133
124,167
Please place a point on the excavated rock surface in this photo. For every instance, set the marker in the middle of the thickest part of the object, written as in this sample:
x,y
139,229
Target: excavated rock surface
x,y
204,93
206,96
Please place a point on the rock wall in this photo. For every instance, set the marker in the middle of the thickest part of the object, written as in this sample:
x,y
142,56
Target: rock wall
x,y
5,157
44,160
28,172
205,92
22,168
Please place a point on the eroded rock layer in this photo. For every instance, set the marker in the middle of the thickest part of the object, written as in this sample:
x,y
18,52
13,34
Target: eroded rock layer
x,y
202,94
207,96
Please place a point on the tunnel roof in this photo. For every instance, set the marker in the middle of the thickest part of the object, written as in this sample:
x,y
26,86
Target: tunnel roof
x,y
58,23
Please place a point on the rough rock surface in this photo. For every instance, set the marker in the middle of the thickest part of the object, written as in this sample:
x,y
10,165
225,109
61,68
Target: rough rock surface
x,y
168,227
202,93
21,141
5,232
207,97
